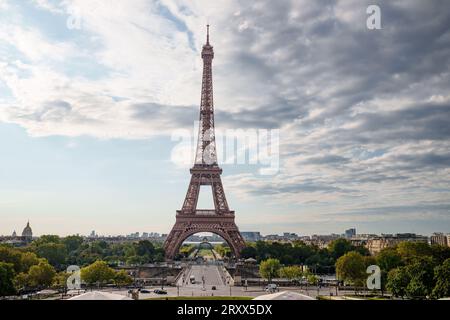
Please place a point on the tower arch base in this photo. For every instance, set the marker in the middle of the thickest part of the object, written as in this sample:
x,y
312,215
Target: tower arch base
x,y
185,226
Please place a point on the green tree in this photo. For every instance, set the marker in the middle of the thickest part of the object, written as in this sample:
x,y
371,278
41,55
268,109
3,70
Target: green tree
x,y
300,252
388,259
27,260
145,247
417,289
41,275
411,250
60,280
440,253
122,278
312,279
397,281
73,243
269,269
291,272
339,247
48,238
351,268
11,255
135,260
421,272
97,273
21,281
186,250
6,279
321,262
362,250
223,250
295,253
442,279
249,252
55,253
159,255
369,260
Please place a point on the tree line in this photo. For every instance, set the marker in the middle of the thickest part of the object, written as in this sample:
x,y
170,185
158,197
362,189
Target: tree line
x,y
414,270
318,260
42,264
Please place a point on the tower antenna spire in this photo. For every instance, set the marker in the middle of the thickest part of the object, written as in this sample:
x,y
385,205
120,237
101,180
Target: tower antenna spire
x,y
207,34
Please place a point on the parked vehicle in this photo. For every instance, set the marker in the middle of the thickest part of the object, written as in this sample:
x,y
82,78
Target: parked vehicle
x,y
160,291
145,291
192,279
271,287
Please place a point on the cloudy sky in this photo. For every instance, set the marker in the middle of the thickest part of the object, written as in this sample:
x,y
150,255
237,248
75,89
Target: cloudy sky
x,y
94,93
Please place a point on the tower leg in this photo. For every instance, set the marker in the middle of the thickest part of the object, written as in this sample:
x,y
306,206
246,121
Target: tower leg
x,y
185,226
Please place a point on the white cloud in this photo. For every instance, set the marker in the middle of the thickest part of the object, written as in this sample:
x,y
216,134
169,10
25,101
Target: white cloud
x,y
49,6
362,114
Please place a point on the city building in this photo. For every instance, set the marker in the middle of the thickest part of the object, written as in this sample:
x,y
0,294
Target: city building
x,y
286,237
27,233
18,241
251,235
375,245
439,238
350,233
366,236
134,235
290,236
320,241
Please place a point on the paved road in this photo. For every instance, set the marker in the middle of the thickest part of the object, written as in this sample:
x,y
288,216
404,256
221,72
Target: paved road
x,y
208,275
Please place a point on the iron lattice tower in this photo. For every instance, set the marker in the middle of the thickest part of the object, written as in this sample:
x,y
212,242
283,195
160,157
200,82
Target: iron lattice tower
x,y
205,172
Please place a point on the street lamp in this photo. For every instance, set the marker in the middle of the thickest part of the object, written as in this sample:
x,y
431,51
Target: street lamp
x,y
134,277
163,278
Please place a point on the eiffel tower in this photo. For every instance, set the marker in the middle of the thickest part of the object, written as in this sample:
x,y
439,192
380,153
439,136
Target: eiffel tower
x,y
205,172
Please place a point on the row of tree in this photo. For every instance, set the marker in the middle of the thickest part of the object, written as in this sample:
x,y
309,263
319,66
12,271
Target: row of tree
x,y
74,250
319,260
24,271
272,268
413,270
186,250
43,263
100,274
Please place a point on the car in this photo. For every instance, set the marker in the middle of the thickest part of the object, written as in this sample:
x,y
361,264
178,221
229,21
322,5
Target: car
x,y
271,287
160,291
145,291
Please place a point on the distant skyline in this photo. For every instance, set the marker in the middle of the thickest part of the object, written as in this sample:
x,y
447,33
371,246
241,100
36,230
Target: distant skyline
x,y
92,92
141,232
